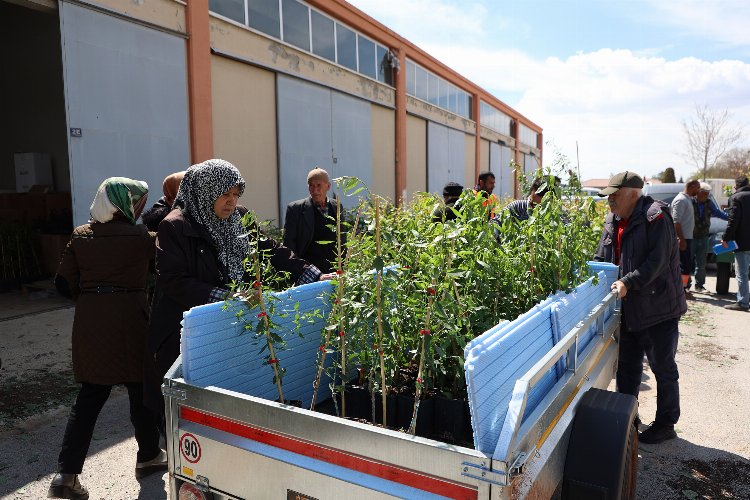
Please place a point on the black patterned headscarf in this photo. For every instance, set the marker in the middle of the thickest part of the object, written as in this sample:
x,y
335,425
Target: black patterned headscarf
x,y
202,185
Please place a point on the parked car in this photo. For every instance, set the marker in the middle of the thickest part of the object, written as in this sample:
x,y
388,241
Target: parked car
x,y
666,193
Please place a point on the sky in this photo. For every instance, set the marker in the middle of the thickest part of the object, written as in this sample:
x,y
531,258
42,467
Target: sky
x,y
615,77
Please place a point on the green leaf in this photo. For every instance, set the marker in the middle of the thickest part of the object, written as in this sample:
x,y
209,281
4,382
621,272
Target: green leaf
x,y
378,264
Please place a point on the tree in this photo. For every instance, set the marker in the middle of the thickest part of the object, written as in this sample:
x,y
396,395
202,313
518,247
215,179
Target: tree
x,y
666,175
709,134
734,163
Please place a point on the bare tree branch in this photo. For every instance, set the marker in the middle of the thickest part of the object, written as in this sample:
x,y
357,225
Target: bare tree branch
x,y
708,135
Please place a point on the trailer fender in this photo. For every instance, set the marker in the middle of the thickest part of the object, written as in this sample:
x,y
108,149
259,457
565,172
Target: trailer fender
x,y
601,461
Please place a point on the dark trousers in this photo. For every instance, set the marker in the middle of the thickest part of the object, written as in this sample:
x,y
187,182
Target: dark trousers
x,y
686,260
659,343
82,419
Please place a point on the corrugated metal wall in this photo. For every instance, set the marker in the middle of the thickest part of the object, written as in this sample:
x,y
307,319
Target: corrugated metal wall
x,y
126,89
320,127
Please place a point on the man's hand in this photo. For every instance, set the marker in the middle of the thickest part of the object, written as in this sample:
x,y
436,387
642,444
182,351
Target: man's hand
x,y
682,244
724,244
327,276
619,287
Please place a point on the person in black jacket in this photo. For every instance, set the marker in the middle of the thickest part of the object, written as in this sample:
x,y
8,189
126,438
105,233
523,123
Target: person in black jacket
x,y
639,236
154,215
200,249
309,222
738,230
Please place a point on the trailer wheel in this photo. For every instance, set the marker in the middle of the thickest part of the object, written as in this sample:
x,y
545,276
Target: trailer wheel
x,y
723,269
602,457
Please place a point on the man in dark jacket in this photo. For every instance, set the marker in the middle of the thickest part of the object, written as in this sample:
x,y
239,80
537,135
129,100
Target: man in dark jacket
x,y
703,209
738,230
639,236
307,225
451,193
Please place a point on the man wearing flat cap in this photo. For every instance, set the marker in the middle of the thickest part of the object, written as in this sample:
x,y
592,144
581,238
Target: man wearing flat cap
x,y
309,221
639,236
703,210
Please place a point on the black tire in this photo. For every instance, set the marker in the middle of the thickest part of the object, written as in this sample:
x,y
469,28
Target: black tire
x,y
602,456
723,270
630,475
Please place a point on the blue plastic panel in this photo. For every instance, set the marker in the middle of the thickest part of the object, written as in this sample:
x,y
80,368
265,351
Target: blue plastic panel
x,y
218,351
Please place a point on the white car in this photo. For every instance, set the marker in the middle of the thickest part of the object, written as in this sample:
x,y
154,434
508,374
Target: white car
x,y
667,192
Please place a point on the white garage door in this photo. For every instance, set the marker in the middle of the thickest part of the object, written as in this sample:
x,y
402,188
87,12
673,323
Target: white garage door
x,y
126,92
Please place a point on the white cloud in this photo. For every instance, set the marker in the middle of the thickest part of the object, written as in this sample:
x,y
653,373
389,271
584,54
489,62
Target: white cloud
x,y
427,20
624,108
724,21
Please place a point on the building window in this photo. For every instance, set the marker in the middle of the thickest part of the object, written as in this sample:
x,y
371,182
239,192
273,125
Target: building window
x,y
494,119
233,9
527,136
263,15
346,47
323,39
427,86
296,24
366,50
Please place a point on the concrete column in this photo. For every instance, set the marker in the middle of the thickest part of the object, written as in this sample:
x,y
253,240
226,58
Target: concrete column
x,y
476,106
199,80
400,128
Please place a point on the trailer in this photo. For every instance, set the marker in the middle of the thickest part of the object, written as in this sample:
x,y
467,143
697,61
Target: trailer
x,y
543,421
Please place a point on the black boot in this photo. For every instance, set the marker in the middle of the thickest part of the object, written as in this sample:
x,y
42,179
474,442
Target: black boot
x,y
67,486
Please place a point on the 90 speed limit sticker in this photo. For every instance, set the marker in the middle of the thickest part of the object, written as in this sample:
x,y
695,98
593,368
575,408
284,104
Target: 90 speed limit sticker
x,y
190,448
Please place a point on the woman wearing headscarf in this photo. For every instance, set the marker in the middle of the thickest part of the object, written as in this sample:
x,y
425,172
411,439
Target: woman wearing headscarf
x,y
154,215
199,251
103,268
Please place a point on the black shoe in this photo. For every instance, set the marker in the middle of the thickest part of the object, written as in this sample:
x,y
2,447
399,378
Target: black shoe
x,y
657,433
700,289
158,463
67,486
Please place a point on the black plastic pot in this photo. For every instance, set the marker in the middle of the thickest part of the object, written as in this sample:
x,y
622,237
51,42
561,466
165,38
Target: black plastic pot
x,y
451,421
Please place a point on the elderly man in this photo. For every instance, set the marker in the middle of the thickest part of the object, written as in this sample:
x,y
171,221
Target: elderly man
x,y
308,223
738,230
684,223
703,209
639,236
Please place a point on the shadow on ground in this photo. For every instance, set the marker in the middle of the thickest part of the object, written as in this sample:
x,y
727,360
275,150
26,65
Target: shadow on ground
x,y
673,470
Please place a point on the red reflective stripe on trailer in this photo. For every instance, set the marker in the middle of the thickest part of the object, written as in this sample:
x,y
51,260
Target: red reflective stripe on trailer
x,y
333,456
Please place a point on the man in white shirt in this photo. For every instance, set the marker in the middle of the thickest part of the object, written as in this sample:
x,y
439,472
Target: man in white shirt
x,y
684,222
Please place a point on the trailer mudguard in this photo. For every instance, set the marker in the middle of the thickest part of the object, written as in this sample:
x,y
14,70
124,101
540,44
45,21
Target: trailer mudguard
x,y
603,448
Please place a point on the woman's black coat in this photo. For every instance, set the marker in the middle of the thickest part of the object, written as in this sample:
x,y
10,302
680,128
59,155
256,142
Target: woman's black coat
x,y
187,270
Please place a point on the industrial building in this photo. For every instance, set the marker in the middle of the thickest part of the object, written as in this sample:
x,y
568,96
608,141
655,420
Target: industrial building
x,y
143,88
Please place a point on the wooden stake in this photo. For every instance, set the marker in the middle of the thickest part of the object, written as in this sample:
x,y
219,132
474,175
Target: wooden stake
x,y
379,274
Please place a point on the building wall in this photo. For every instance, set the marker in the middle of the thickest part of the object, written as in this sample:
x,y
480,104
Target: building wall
x,y
235,40
244,118
416,155
469,155
383,151
169,14
484,155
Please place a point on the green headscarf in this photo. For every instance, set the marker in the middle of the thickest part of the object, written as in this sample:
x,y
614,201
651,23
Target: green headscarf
x,y
119,194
